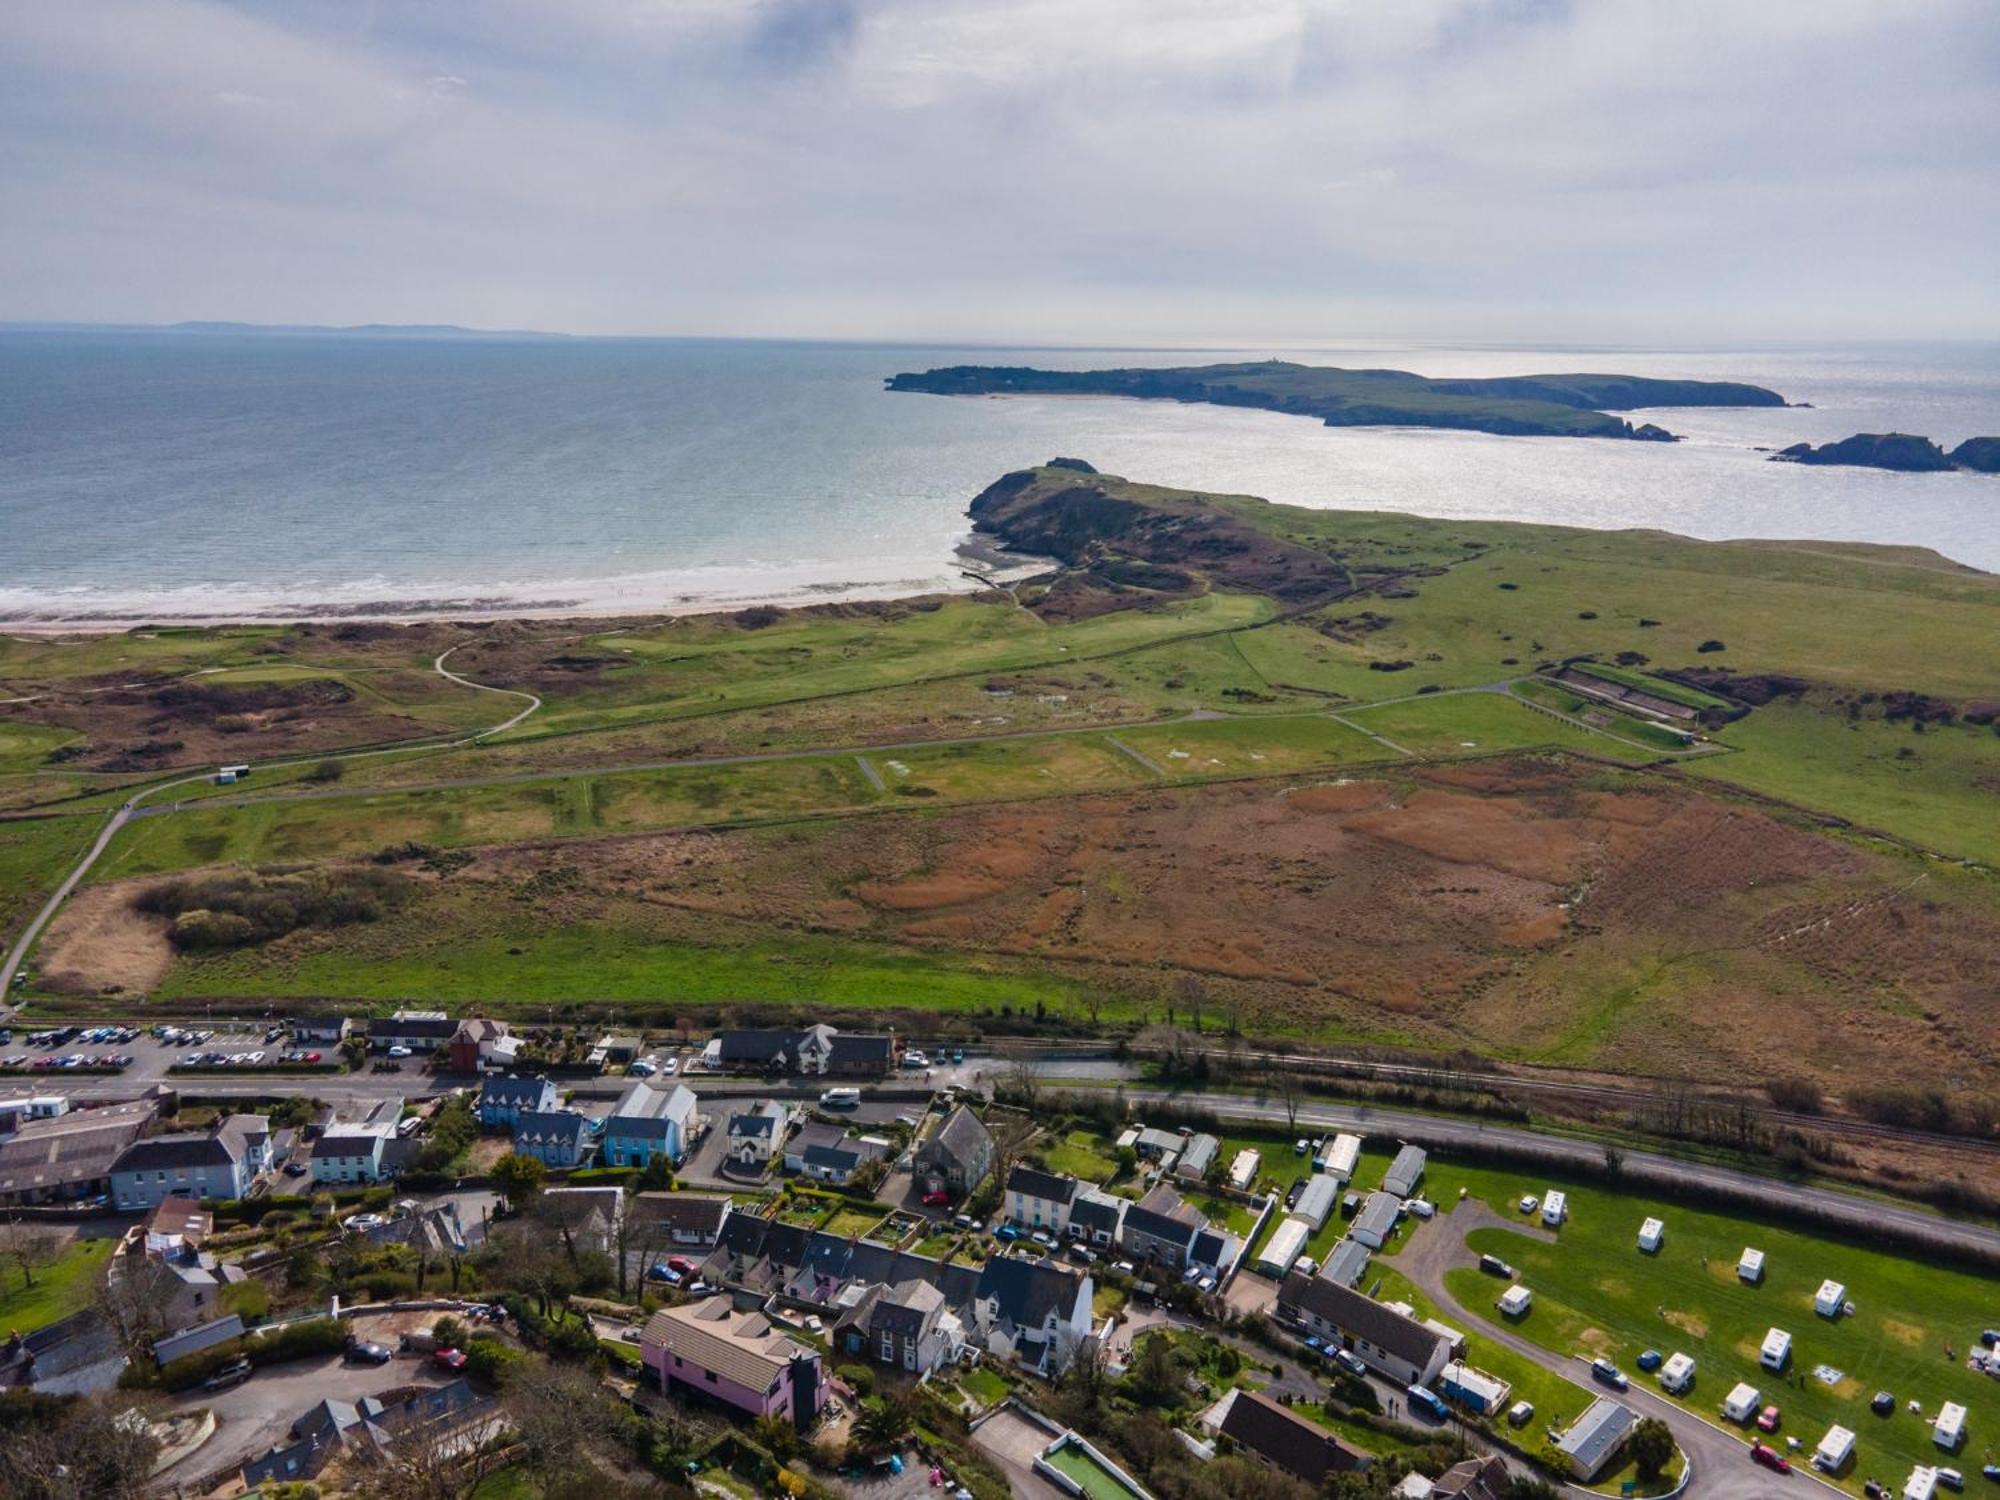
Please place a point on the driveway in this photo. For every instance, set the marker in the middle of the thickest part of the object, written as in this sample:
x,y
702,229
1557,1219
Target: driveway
x,y
1011,1441
1721,1458
258,1414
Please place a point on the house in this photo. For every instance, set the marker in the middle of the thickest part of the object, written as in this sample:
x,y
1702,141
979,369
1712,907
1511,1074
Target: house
x,y
1033,1312
906,1326
1317,1201
1262,1428
196,1340
755,1134
1834,1450
1473,1479
479,1043
436,1233
1197,1156
1405,1172
334,1427
619,1048
175,1224
1595,1438
1652,1233
1677,1374
1160,1227
817,1052
555,1137
322,1031
503,1100
1243,1169
1392,1343
1741,1404
1478,1392
1830,1299
1776,1351
1377,1220
1040,1200
957,1156
711,1352
221,1163
830,1154
648,1122
1286,1244
1213,1250
1948,1432
591,1217
1345,1262
1341,1156
419,1030
1750,1266
1152,1144
682,1220
1095,1216
353,1153
70,1155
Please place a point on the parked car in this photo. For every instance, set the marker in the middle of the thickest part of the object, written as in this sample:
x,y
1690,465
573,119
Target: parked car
x,y
1529,1203
939,1198
1951,1479
449,1359
1770,1458
1875,1490
1351,1362
1650,1360
232,1374
1004,1232
1422,1398
1992,1472
682,1264
295,1169
1520,1413
1299,1148
1606,1373
1770,1419
671,1065
399,1051
1884,1403
367,1351
1493,1265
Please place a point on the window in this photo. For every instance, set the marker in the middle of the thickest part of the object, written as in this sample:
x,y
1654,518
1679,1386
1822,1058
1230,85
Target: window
x,y
709,1376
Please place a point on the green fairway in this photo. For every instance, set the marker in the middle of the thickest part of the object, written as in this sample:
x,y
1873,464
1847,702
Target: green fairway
x,y
59,1290
1596,1293
35,854
1251,747
1477,723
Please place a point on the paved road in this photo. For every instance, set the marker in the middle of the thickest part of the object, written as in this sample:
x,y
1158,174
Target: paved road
x,y
1863,1215
1721,1459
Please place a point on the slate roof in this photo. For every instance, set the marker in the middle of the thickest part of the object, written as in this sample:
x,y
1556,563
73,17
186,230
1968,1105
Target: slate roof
x,y
193,1340
1209,1247
752,1124
1096,1210
959,1137
1044,1185
904,1308
551,1127
1142,1220
516,1092
690,1213
1025,1292
1474,1479
185,1149
853,1048
1289,1442
1361,1317
442,1028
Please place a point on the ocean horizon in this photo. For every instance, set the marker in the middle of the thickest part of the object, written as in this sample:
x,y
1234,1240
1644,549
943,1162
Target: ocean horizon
x,y
221,474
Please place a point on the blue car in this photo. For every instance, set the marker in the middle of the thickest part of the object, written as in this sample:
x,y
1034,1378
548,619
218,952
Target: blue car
x,y
1423,1399
1650,1360
1006,1232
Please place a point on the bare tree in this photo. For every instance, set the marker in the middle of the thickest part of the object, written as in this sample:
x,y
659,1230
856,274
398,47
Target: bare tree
x,y
30,1246
1192,993
566,1423
1022,1076
132,1300
430,1458
1291,1091
97,1447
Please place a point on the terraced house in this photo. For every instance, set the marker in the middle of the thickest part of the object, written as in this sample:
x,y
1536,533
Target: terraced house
x,y
816,1052
555,1138
221,1163
353,1153
1160,1227
502,1101
1040,1200
647,1122
1390,1342
906,1325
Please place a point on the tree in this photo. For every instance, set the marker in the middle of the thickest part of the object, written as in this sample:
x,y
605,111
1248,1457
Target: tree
x,y
519,1179
1022,1076
1291,1092
432,1458
132,1300
884,1422
327,770
93,1448
564,1419
31,1247
1154,1374
1652,1448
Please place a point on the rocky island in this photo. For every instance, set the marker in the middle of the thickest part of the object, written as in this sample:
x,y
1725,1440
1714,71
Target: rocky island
x,y
1513,405
1902,451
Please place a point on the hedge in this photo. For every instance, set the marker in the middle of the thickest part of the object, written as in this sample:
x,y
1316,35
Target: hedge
x,y
319,1336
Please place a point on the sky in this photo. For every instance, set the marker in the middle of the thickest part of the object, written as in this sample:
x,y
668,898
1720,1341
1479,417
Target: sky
x,y
1068,171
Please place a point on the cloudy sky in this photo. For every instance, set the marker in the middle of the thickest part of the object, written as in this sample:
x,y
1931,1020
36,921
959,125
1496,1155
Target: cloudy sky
x,y
1067,170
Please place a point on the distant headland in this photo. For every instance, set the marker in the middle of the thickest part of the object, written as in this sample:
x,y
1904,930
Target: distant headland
x,y
1902,451
1513,405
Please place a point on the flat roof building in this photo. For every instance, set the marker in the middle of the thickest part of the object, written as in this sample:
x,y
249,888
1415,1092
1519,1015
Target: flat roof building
x,y
1596,1437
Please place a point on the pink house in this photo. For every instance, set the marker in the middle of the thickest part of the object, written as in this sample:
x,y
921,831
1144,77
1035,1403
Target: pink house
x,y
711,1351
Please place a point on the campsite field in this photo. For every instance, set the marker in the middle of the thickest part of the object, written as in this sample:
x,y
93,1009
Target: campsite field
x,y
1596,1293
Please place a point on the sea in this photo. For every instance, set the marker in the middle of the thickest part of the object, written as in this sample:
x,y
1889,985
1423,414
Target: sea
x,y
158,475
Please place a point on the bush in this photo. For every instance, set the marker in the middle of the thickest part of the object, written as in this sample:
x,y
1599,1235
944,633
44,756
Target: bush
x,y
242,908
326,770
320,1336
488,1361
860,1377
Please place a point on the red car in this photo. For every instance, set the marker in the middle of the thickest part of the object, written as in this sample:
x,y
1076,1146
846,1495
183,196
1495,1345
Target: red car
x,y
449,1359
1770,1458
682,1264
939,1199
1768,1419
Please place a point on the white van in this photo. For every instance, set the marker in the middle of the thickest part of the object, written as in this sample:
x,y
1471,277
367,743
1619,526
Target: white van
x,y
841,1099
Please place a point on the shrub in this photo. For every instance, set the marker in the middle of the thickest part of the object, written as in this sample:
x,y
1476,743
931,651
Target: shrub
x,y
320,1336
488,1360
241,908
1711,646
326,770
860,1377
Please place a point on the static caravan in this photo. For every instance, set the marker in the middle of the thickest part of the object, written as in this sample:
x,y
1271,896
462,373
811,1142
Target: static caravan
x,y
1949,1429
1376,1221
1317,1201
1677,1374
1405,1172
1555,1208
1651,1233
1243,1170
1343,1152
1286,1244
1740,1405
1777,1350
1750,1266
1921,1485
1834,1451
1515,1302
1829,1299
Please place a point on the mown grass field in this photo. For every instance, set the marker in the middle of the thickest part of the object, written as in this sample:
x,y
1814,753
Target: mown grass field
x,y
1596,1293
35,854
1481,723
59,1290
1251,747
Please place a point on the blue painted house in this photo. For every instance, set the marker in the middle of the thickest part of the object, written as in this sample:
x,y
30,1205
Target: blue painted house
x,y
502,1101
555,1138
648,1122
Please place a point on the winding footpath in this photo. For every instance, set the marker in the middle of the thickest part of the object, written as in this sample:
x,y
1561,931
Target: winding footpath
x,y
133,807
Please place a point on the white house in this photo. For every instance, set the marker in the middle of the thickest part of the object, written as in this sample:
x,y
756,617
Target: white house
x,y
1949,1429
1343,1153
756,1133
1040,1200
1777,1350
1834,1450
1829,1299
1286,1244
1555,1208
1750,1266
1515,1301
1677,1374
1651,1234
352,1153
221,1163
